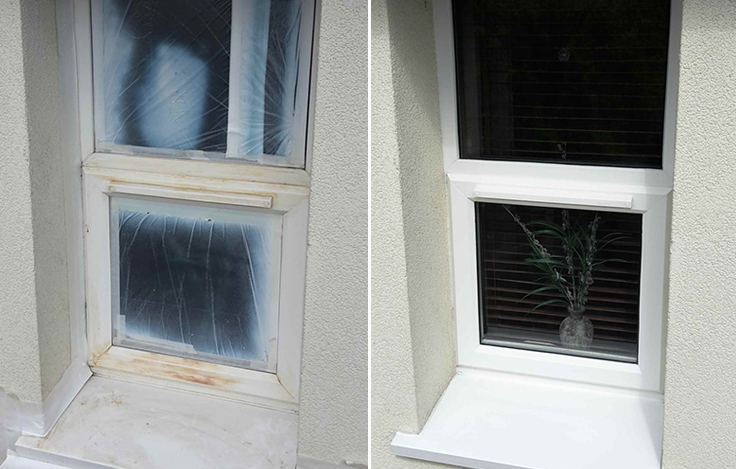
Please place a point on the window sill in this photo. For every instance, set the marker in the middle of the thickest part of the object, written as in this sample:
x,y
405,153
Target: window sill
x,y
488,420
117,424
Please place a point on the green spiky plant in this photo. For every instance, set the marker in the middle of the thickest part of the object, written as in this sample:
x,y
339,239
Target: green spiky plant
x,y
570,276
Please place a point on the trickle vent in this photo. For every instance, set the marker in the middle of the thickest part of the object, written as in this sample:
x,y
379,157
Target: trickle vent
x,y
505,279
562,81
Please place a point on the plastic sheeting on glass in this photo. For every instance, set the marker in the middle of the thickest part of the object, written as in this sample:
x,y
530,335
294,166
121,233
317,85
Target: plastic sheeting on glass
x,y
196,282
206,79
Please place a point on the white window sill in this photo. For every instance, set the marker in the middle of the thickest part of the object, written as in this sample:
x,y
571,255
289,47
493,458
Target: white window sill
x,y
117,424
488,420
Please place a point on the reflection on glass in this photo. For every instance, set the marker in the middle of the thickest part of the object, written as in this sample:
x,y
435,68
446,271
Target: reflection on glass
x,y
561,281
196,282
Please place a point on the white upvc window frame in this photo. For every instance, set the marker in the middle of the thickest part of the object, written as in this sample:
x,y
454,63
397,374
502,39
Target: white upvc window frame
x,y
233,183
627,190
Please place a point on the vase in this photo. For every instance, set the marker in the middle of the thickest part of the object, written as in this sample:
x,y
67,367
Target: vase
x,y
576,331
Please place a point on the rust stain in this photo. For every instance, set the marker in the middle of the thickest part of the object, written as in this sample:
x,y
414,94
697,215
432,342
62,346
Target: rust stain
x,y
175,372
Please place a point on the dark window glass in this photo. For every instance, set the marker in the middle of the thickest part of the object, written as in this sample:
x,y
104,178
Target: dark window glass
x,y
512,267
563,81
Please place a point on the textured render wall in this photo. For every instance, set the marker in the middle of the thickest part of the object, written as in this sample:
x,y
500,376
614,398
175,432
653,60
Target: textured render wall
x,y
700,380
333,415
34,319
41,65
20,369
393,388
413,350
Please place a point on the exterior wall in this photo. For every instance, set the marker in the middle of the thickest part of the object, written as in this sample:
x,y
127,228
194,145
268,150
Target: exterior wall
x,y
700,380
333,425
413,350
34,337
47,189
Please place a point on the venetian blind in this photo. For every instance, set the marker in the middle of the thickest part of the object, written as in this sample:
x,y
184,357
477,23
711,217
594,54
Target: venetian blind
x,y
562,81
505,278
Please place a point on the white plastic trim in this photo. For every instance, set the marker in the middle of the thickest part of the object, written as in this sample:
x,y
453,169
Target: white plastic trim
x,y
487,420
248,200
63,394
553,197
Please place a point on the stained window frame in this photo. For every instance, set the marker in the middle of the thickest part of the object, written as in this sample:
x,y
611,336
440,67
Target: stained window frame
x,y
604,188
233,183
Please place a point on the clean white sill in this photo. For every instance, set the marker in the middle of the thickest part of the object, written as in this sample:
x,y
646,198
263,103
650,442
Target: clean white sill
x,y
487,420
15,462
118,424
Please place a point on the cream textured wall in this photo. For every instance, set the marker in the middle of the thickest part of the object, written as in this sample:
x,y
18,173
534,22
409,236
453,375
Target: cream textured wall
x,y
700,379
333,415
20,367
47,188
413,350
34,318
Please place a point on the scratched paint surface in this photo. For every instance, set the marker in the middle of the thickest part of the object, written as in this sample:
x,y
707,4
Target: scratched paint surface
x,y
163,77
196,283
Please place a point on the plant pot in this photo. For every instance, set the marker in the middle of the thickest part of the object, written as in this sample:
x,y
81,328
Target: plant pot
x,y
576,331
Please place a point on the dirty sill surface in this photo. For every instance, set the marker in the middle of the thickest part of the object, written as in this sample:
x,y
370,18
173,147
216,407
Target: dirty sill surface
x,y
117,424
490,420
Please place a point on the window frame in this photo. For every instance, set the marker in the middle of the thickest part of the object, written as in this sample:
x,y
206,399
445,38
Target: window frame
x,y
233,182
637,190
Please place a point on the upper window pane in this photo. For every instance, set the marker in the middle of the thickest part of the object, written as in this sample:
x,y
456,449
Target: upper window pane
x,y
563,81
201,79
561,281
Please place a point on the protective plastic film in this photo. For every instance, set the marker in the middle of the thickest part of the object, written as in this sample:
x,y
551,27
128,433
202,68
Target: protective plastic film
x,y
205,79
164,73
268,76
196,281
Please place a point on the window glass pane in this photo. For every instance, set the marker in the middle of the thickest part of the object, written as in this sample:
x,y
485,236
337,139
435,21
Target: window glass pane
x,y
540,266
269,77
164,73
563,81
201,79
196,281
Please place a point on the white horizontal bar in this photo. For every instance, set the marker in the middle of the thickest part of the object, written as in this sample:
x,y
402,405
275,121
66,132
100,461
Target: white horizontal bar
x,y
553,196
250,200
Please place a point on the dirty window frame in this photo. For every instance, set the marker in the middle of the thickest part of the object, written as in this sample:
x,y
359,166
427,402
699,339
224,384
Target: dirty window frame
x,y
282,190
633,190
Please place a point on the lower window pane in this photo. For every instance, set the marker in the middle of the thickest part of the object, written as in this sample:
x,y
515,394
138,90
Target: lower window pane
x,y
196,281
560,281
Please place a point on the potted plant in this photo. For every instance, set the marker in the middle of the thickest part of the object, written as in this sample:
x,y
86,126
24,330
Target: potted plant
x,y
570,275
